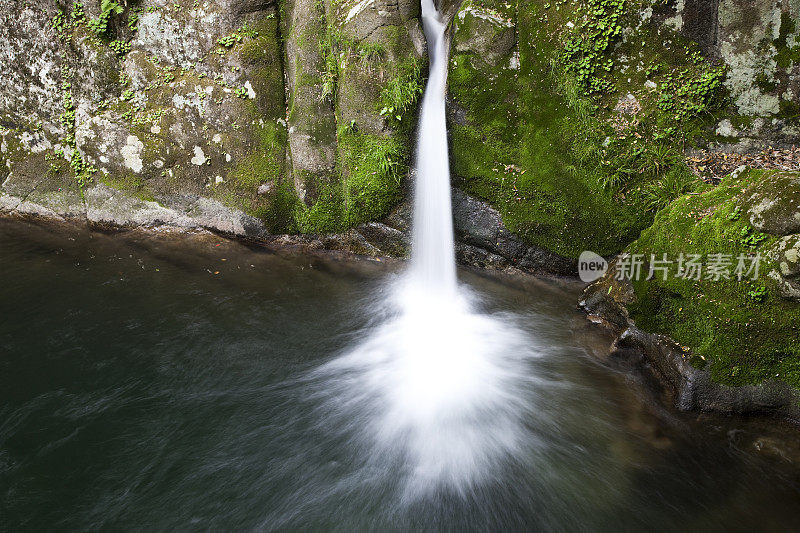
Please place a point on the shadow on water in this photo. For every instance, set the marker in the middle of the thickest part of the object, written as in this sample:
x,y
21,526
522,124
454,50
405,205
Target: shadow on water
x,y
158,383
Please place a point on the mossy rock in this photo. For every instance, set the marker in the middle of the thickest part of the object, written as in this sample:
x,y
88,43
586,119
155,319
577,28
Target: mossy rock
x,y
512,136
743,330
786,255
774,203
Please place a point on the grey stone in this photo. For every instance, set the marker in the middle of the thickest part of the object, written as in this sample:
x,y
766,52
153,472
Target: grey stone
x,y
786,255
774,204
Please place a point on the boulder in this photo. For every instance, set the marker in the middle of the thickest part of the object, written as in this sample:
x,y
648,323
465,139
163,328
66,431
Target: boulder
x,y
774,204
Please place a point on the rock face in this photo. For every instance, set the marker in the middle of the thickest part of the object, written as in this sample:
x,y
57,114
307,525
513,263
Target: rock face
x,y
759,43
773,207
553,107
273,109
775,204
172,99
786,254
487,242
300,113
312,124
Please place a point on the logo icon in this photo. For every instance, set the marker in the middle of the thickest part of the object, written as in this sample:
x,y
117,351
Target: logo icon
x,y
591,266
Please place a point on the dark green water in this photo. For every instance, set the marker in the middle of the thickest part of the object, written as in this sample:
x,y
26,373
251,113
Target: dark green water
x,y
160,384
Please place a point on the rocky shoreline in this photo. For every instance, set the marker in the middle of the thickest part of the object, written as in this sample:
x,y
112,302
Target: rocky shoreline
x,y
668,364
484,241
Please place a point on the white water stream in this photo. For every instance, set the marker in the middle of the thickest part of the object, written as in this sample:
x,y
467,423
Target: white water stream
x,y
433,254
433,394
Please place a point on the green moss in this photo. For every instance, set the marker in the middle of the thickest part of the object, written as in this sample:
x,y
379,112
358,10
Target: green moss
x,y
279,212
514,150
544,144
265,162
741,328
130,183
786,55
326,214
382,80
374,166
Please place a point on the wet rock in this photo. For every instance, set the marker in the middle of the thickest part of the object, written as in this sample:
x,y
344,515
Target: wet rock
x,y
480,257
668,364
478,224
608,298
388,240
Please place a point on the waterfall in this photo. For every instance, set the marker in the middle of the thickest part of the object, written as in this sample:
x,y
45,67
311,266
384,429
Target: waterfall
x,y
431,395
433,251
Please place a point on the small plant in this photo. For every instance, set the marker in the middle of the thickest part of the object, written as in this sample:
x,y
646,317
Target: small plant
x,y
585,51
127,95
234,38
108,8
735,214
659,194
133,20
370,53
757,294
229,40
58,23
652,70
241,92
331,73
659,158
748,237
120,47
78,15
400,95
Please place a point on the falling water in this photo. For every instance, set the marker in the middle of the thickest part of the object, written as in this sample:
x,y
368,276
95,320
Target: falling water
x,y
432,395
433,257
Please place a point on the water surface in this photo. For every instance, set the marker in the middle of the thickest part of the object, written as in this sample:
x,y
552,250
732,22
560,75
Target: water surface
x,y
172,383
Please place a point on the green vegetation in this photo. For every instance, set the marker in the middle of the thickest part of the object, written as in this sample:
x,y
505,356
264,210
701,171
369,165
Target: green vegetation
x,y
384,81
515,148
400,95
659,194
740,329
229,41
585,52
570,161
108,8
120,47
787,55
81,171
375,166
